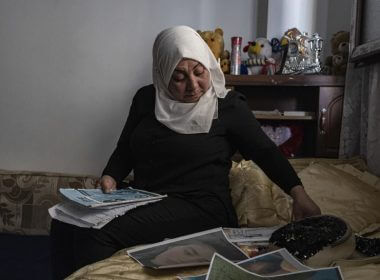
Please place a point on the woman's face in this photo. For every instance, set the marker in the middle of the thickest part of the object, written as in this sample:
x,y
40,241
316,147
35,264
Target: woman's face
x,y
190,80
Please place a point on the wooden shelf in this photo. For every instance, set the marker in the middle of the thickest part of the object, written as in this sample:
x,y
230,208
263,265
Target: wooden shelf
x,y
285,80
274,117
319,96
277,115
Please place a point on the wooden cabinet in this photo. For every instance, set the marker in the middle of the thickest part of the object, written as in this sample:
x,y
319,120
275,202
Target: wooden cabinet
x,y
314,102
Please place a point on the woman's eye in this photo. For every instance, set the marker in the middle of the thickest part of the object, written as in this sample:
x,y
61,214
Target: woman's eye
x,y
178,77
199,71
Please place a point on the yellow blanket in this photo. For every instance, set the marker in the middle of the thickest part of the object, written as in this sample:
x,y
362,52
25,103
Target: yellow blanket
x,y
340,187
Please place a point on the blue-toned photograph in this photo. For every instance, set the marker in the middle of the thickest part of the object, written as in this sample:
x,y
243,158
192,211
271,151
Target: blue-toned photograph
x,y
97,198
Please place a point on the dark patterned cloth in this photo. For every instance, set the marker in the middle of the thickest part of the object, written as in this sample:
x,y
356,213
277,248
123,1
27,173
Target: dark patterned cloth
x,y
304,238
25,198
368,246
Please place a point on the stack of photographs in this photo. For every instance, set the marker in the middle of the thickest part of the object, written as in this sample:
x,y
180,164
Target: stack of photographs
x,y
92,208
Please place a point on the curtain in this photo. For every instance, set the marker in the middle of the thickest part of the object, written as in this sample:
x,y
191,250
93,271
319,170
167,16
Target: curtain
x,y
360,134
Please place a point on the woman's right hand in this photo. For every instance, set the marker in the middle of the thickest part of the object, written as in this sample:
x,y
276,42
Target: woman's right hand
x,y
107,184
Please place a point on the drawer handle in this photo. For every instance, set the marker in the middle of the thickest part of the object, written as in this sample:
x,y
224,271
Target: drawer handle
x,y
322,121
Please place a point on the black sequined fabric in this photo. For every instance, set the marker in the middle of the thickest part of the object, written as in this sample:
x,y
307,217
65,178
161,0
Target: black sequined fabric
x,y
368,246
307,237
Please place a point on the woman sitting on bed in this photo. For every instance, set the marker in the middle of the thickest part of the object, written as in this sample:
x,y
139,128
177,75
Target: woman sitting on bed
x,y
178,139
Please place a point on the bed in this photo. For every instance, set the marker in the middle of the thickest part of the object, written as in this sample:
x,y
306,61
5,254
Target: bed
x,y
343,188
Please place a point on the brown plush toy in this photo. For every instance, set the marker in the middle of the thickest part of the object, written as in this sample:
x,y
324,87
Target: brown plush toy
x,y
225,62
336,64
215,41
339,64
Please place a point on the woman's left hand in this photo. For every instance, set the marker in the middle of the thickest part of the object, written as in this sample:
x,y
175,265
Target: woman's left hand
x,y
303,205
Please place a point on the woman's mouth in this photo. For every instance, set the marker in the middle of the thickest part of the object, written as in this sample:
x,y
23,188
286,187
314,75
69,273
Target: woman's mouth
x,y
192,97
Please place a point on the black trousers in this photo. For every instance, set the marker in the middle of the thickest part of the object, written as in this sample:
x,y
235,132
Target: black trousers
x,y
74,247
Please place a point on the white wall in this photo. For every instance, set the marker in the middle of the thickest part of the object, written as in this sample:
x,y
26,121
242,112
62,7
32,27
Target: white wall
x,y
286,14
69,69
325,17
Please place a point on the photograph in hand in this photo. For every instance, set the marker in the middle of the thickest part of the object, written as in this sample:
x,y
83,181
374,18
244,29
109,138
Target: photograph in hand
x,y
97,198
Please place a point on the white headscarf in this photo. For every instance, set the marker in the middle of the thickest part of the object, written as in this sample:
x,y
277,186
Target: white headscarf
x,y
170,47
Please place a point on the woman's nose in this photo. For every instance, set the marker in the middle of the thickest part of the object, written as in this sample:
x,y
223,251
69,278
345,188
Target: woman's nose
x,y
192,83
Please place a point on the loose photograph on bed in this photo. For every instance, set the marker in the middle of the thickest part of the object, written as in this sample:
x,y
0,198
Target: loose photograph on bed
x,y
190,250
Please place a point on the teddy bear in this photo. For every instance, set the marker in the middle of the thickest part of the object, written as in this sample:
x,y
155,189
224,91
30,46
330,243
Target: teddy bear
x,y
215,41
339,64
336,63
225,62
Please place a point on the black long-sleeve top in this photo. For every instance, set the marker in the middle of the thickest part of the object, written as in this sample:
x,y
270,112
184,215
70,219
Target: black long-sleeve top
x,y
194,165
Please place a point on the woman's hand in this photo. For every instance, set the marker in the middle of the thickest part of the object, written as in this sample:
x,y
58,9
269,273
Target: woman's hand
x,y
303,205
107,184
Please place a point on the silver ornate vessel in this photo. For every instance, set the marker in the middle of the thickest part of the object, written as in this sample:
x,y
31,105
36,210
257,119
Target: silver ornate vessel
x,y
303,53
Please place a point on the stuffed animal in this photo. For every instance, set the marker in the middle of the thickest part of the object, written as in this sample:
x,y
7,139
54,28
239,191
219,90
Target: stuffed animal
x,y
260,57
225,62
340,42
339,64
336,63
215,41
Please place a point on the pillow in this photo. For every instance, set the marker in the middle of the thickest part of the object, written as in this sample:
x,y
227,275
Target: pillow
x,y
257,202
342,194
26,196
